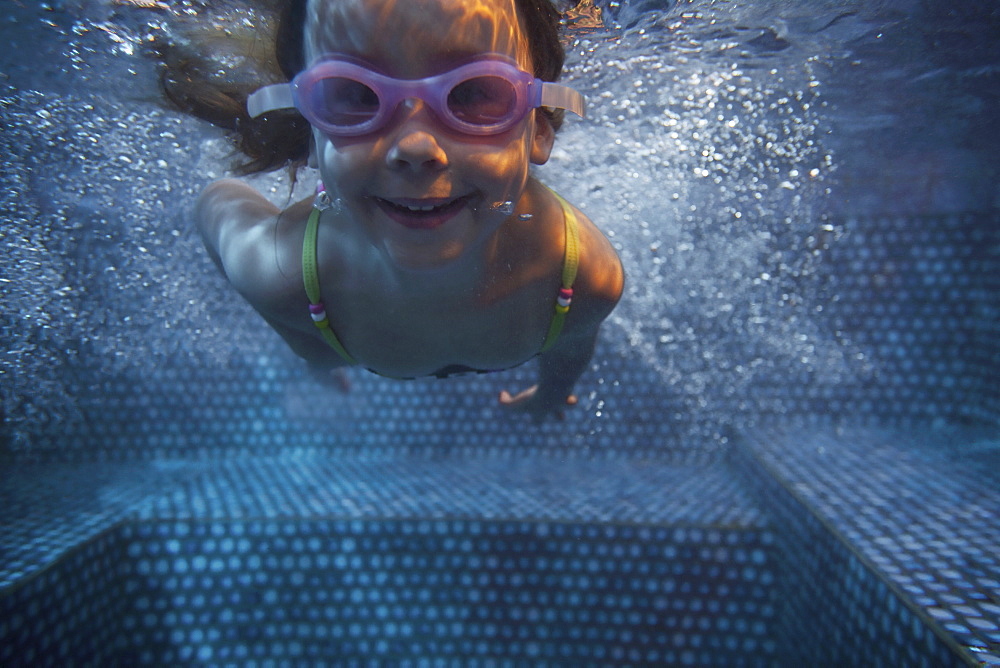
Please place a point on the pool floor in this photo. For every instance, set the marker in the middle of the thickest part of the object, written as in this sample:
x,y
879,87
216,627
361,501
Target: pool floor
x,y
799,546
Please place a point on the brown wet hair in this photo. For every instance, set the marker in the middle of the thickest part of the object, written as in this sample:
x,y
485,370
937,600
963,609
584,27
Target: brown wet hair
x,y
192,82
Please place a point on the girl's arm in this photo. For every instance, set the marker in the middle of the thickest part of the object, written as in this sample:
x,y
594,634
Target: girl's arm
x,y
600,287
257,251
238,226
229,215
559,369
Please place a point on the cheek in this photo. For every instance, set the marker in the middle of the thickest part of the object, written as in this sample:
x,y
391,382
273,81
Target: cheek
x,y
503,163
344,162
506,162
506,152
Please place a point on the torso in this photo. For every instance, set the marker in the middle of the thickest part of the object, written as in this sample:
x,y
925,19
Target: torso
x,y
393,324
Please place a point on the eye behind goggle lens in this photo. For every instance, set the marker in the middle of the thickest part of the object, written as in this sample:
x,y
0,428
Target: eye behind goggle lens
x,y
343,102
484,101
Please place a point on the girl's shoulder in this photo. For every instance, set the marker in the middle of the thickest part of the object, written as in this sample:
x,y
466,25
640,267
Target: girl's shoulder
x,y
600,278
257,245
537,247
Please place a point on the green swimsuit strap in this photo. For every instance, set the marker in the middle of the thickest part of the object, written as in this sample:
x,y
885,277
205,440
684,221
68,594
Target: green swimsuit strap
x,y
310,276
571,261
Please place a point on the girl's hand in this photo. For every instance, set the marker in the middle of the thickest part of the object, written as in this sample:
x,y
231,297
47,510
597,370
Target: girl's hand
x,y
336,378
536,405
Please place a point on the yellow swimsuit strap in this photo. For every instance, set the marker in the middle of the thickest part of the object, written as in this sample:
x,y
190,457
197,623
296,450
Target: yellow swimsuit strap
x,y
571,261
310,275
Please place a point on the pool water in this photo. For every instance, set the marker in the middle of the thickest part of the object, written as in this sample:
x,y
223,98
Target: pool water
x,y
785,449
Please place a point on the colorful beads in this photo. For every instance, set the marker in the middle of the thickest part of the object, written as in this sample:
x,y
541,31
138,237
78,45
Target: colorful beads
x,y
318,313
565,297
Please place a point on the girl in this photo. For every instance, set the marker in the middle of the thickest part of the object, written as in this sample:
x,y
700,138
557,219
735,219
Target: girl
x,y
429,249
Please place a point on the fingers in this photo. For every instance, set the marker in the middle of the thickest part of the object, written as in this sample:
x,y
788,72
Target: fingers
x,y
526,401
512,400
342,379
337,378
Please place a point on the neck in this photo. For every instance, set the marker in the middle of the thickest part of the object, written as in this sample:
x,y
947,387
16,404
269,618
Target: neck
x,y
460,278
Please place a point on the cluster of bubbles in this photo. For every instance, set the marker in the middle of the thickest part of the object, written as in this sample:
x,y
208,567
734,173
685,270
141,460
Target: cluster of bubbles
x,y
103,274
708,168
706,158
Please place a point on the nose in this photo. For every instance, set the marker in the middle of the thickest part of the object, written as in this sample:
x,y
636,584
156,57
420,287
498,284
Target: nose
x,y
414,148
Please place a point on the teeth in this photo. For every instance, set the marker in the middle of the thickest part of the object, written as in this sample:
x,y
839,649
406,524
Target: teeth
x,y
419,208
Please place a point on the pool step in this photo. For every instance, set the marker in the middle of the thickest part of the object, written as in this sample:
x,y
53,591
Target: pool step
x,y
461,559
886,533
540,559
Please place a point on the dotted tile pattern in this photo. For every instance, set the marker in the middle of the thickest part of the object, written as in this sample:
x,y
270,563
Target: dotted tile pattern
x,y
445,590
69,613
273,404
224,564
49,509
502,487
185,561
920,295
918,509
46,509
406,592
985,355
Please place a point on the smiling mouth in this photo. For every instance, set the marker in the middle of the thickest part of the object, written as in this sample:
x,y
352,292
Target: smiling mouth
x,y
422,214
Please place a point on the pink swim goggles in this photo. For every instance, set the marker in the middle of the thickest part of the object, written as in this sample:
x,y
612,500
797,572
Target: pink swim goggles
x,y
344,98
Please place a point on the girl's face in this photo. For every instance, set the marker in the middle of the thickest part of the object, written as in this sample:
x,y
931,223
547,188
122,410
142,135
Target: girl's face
x,y
421,191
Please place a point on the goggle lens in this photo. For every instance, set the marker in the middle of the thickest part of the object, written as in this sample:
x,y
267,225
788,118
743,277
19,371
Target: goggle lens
x,y
483,101
343,102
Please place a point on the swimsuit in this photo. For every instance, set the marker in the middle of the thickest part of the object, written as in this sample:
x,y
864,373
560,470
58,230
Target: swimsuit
x,y
310,275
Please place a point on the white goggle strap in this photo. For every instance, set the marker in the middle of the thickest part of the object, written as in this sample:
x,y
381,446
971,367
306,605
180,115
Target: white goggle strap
x,y
562,97
269,98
